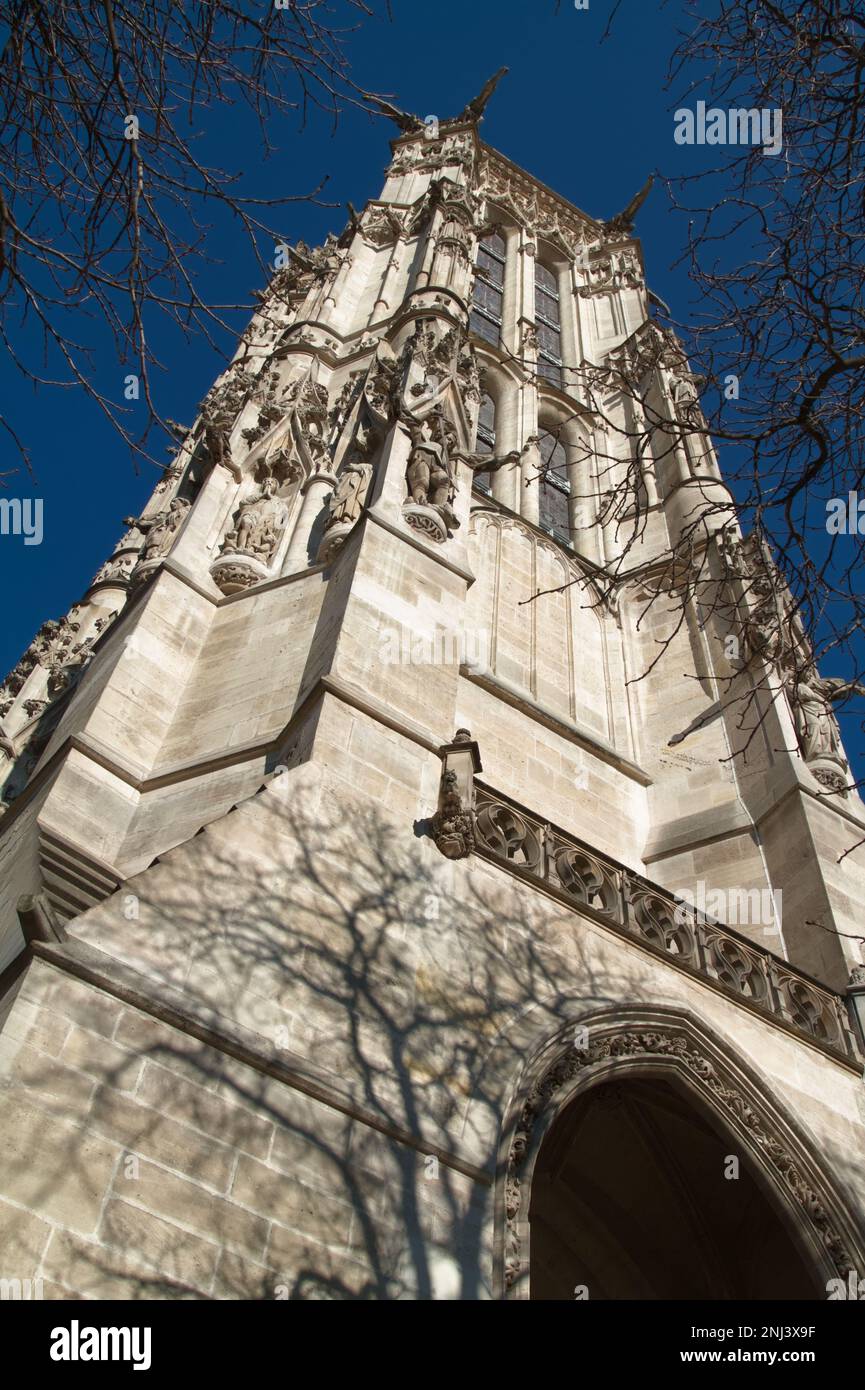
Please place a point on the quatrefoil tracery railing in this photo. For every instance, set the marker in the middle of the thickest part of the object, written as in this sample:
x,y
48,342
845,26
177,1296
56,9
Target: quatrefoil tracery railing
x,y
590,883
509,835
587,880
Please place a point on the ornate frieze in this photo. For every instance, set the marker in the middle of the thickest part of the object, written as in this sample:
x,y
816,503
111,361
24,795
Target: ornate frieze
x,y
533,207
612,268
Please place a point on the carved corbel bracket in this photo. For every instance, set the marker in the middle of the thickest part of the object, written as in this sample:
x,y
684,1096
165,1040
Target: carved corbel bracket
x,y
453,822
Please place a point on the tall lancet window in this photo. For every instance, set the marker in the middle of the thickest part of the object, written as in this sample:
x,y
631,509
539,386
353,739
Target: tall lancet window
x,y
489,289
549,324
554,488
485,439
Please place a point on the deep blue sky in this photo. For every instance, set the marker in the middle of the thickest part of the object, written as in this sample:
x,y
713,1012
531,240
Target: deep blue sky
x,y
589,119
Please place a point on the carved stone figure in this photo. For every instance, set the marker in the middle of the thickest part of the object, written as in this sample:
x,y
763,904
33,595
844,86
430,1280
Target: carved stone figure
x,y
452,825
819,736
491,463
161,529
347,499
259,524
428,474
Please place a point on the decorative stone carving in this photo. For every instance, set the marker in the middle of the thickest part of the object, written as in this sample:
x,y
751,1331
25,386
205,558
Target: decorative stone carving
x,y
662,922
380,225
251,543
588,880
430,479
433,156
342,406
118,568
381,388
453,822
508,834
612,270
258,525
548,216
160,530
232,575
347,500
724,1092
169,480
219,410
491,463
629,904
307,266
817,727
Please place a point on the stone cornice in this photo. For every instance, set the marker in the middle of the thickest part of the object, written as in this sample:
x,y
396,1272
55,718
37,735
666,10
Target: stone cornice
x,y
580,222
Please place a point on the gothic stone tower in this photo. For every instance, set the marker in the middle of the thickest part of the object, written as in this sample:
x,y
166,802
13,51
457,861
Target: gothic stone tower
x,y
340,837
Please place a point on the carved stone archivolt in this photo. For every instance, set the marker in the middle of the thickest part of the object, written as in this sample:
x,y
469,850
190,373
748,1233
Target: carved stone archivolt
x,y
665,1045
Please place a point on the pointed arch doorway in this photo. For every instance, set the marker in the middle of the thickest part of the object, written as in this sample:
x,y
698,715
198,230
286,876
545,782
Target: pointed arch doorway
x,y
637,1193
615,1163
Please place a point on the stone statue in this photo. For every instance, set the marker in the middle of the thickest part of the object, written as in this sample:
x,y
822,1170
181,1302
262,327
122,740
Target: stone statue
x,y
161,529
816,725
259,524
429,477
349,495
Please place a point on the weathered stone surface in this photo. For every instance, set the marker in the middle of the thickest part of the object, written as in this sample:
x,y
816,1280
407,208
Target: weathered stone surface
x,y
287,1058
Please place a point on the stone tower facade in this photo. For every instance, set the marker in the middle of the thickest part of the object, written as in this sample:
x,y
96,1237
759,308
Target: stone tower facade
x,y
366,840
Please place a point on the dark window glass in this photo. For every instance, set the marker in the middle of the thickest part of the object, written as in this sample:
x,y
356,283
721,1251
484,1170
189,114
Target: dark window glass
x,y
484,328
496,245
487,297
547,309
553,510
486,431
548,320
549,341
546,279
491,266
554,459
550,371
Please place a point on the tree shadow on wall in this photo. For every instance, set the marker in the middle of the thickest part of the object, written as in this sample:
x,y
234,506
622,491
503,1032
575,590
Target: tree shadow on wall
x,y
407,989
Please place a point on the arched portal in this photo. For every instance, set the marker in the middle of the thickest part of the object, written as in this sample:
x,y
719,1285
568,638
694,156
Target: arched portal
x,y
639,1193
614,1156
